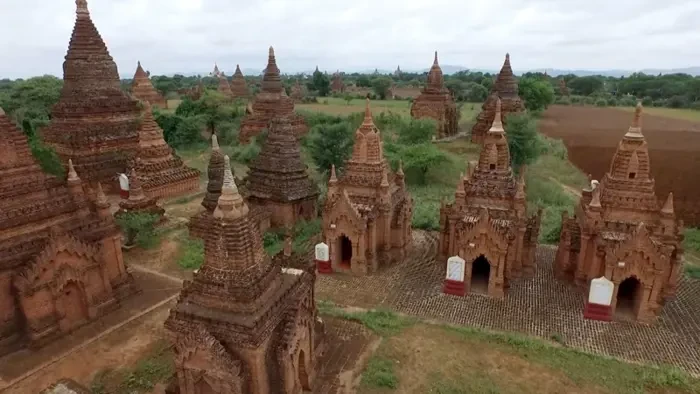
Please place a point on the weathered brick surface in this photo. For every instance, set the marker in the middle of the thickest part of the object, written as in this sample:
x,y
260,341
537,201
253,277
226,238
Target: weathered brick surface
x,y
540,306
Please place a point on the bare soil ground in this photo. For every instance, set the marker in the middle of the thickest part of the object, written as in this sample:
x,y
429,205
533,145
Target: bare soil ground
x,y
591,135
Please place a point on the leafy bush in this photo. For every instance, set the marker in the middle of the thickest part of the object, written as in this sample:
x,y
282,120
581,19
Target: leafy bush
x,y
523,142
627,101
611,102
191,253
273,242
330,144
677,102
138,228
647,101
563,101
601,102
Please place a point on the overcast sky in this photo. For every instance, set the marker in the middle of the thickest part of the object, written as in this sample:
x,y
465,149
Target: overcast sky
x,y
171,36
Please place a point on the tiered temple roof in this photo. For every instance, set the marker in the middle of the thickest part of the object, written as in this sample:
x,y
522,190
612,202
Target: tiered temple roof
x,y
142,89
239,87
624,219
504,88
278,177
240,309
94,122
37,211
436,102
270,102
162,172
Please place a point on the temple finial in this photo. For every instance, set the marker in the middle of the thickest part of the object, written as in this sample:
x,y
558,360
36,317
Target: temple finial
x,y
100,197
435,61
72,175
333,179
271,52
460,185
385,180
368,113
400,170
668,205
81,7
214,142
595,201
635,130
228,174
497,125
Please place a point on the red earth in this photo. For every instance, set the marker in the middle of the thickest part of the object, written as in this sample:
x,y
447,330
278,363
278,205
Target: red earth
x,y
591,135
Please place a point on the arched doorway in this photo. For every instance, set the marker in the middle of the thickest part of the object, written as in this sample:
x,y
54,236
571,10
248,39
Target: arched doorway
x,y
303,375
628,297
345,251
71,298
481,270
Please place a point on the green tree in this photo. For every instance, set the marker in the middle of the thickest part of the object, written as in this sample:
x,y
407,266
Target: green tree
x,y
523,141
416,131
138,228
585,85
330,144
381,86
32,99
537,93
363,81
418,160
475,92
320,83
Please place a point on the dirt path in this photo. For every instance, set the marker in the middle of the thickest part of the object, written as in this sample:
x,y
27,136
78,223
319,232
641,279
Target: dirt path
x,y
72,363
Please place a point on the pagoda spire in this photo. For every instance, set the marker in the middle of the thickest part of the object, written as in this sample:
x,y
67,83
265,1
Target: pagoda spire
x,y
435,61
497,125
333,179
595,201
635,130
368,114
230,204
214,142
668,205
81,7
100,197
135,189
72,175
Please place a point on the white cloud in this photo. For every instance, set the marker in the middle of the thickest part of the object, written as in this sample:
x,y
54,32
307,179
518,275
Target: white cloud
x,y
189,35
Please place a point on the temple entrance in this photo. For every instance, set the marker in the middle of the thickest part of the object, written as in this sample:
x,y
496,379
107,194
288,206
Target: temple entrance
x,y
303,375
73,306
481,270
628,297
345,251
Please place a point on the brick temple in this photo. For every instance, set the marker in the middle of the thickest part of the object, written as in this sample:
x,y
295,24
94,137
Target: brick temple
x,y
142,89
621,232
239,87
278,179
367,215
270,102
337,85
94,122
61,262
162,172
435,102
504,88
243,324
138,201
487,225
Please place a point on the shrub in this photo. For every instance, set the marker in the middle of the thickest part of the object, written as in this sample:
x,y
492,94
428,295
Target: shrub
x,y
647,101
601,102
523,142
138,228
563,101
628,101
330,144
611,102
677,102
191,253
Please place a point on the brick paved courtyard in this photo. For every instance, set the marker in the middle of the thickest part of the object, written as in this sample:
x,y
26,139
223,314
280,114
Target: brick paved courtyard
x,y
538,306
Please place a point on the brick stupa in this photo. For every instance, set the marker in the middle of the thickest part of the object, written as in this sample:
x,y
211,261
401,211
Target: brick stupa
x,y
224,87
278,180
297,93
243,324
504,88
337,85
142,89
94,122
622,232
138,201
563,89
272,101
61,263
162,172
239,87
435,102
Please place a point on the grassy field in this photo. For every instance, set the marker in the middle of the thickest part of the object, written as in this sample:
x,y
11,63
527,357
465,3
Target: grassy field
x,y
683,114
417,357
338,106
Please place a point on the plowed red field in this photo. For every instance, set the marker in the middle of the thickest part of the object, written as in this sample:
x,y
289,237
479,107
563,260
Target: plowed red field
x,y
591,136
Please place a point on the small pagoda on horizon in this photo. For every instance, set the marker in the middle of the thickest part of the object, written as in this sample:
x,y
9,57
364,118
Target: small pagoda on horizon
x,y
435,102
270,102
239,87
142,89
505,89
